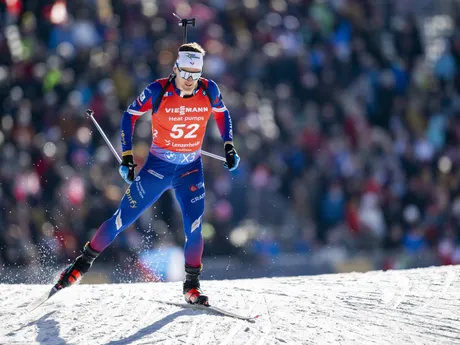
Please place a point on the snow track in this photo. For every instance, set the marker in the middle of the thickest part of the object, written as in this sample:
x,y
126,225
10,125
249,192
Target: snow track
x,y
419,306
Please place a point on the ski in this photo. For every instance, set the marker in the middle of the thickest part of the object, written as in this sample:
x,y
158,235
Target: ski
x,y
45,297
42,299
211,308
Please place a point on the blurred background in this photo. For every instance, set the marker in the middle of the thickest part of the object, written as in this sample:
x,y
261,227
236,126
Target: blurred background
x,y
346,116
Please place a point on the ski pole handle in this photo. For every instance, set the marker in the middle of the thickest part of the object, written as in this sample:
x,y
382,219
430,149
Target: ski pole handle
x,y
90,113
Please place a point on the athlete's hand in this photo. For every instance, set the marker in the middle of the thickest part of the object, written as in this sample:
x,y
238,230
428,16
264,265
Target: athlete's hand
x,y
232,157
127,168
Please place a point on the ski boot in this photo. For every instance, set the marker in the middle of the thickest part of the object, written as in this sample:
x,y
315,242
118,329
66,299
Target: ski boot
x,y
192,291
78,268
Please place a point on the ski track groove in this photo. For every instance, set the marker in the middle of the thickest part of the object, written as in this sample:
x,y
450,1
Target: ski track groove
x,y
417,307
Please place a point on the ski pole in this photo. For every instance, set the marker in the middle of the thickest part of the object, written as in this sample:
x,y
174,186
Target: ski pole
x,y
90,113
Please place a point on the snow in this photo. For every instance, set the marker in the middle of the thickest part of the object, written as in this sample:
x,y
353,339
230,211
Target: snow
x,y
418,306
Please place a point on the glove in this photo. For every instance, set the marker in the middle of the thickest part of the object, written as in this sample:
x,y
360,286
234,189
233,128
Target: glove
x,y
232,157
127,168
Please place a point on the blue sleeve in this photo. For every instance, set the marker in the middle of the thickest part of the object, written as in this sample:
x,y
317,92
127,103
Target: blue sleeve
x,y
220,111
140,106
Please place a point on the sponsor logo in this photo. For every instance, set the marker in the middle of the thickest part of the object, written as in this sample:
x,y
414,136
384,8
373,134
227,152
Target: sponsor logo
x,y
132,202
154,173
196,224
187,118
183,109
188,158
230,128
191,57
196,143
189,172
194,188
123,140
168,142
168,94
170,156
155,133
197,198
139,187
118,221
142,96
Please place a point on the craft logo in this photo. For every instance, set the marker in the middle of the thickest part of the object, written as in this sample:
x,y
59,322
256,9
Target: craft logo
x,y
198,198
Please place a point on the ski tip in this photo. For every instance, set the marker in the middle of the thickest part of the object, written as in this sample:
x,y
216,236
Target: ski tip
x,y
42,299
253,318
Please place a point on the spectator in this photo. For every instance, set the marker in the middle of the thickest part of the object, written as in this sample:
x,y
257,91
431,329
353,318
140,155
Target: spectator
x,y
337,125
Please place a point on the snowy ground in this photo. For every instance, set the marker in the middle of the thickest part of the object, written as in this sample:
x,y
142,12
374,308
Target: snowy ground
x,y
397,307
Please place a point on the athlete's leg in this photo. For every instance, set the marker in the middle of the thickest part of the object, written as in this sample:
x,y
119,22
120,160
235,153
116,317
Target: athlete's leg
x,y
147,187
153,179
189,187
188,184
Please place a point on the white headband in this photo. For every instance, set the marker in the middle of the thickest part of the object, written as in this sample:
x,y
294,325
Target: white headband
x,y
190,60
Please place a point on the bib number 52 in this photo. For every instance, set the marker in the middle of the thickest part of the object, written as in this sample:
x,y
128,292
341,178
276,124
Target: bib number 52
x,y
178,132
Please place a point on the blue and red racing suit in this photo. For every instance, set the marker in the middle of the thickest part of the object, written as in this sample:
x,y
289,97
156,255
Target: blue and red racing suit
x,y
174,161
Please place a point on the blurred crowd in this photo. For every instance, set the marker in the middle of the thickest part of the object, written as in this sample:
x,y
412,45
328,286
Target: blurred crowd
x,y
348,137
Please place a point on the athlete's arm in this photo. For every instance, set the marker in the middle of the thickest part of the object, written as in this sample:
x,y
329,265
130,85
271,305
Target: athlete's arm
x,y
140,106
224,123
221,113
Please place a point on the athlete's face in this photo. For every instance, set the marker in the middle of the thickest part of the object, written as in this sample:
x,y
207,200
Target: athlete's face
x,y
186,85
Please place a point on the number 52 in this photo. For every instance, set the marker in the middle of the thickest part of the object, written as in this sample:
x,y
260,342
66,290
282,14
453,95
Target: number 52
x,y
177,131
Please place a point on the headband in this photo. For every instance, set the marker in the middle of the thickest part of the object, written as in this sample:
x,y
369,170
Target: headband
x,y
190,60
